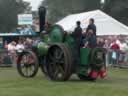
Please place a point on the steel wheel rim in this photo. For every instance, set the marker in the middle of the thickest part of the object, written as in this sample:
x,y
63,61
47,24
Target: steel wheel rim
x,y
27,64
56,63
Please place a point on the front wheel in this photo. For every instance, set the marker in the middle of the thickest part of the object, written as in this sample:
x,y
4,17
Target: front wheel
x,y
27,64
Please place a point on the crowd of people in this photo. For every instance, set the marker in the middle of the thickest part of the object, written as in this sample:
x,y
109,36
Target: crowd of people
x,y
117,48
17,47
20,45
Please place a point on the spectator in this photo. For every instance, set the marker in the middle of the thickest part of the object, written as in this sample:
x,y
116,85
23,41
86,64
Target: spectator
x,y
100,43
106,44
28,43
12,51
123,45
12,46
118,40
123,49
114,45
115,53
20,46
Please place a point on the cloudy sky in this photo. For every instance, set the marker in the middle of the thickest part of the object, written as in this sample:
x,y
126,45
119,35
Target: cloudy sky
x,y
34,3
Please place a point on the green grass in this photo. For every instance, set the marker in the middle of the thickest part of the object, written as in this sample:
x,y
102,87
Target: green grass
x,y
11,84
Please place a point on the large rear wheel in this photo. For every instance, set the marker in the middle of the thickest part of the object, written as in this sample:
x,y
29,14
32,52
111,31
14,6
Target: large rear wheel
x,y
59,62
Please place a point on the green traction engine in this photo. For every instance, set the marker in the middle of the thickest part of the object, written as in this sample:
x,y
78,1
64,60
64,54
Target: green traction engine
x,y
58,56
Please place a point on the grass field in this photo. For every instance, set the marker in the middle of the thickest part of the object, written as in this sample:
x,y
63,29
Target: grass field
x,y
11,84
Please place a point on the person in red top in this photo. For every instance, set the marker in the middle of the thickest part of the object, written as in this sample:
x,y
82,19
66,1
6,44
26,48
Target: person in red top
x,y
115,53
115,47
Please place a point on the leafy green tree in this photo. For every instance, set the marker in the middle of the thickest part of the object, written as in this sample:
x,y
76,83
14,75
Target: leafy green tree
x,y
9,9
117,9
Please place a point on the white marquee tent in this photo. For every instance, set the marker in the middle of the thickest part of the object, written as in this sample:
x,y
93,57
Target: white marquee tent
x,y
106,25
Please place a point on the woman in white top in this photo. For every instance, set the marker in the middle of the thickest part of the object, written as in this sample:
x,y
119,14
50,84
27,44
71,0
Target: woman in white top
x,y
123,45
12,46
20,46
12,51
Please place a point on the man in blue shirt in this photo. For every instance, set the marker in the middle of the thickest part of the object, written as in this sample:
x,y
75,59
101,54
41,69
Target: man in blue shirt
x,y
92,26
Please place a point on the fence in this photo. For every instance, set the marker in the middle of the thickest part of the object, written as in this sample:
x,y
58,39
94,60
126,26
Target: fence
x,y
116,58
5,58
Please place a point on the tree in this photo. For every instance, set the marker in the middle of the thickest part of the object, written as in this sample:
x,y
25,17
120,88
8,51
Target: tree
x,y
57,9
117,9
9,9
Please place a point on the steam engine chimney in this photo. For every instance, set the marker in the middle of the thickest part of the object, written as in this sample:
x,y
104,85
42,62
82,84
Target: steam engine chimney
x,y
42,15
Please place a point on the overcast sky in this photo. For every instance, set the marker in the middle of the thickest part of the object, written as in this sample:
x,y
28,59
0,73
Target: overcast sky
x,y
34,3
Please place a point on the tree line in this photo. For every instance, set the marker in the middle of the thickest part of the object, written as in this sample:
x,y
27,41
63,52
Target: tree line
x,y
9,9
57,9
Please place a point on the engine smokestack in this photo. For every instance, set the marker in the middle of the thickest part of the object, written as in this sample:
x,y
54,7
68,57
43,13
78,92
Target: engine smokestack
x,y
42,15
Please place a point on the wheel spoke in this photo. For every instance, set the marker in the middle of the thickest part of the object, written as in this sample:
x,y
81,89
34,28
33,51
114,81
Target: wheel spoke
x,y
56,73
22,63
61,69
53,66
28,64
26,71
59,73
31,69
51,58
61,55
57,53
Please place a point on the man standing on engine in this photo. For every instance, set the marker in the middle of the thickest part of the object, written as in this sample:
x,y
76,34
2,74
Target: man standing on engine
x,y
92,26
77,34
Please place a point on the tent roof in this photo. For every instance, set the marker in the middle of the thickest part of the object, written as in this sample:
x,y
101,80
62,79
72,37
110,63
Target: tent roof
x,y
106,25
